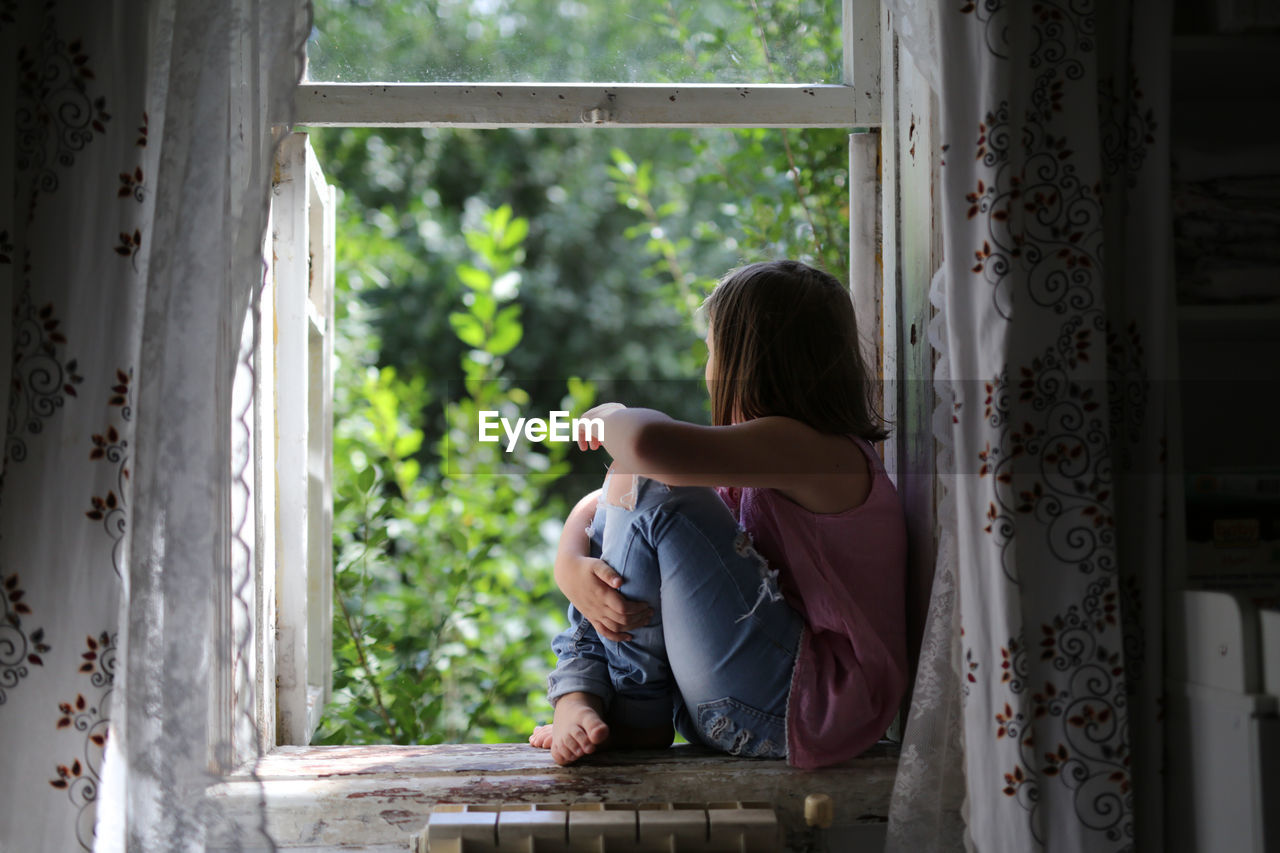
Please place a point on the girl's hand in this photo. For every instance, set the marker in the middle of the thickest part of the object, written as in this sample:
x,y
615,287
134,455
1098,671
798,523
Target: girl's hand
x,y
600,411
592,586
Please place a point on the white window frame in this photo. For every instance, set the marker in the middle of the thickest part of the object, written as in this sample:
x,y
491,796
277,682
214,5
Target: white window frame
x,y
893,250
292,474
854,102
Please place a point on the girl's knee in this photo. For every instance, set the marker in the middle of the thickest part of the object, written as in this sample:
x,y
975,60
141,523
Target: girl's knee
x,y
620,490
636,491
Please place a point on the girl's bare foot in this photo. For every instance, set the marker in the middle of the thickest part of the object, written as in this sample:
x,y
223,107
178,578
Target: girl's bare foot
x,y
541,737
577,728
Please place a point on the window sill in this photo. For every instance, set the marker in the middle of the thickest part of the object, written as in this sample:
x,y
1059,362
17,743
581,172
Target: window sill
x,y
374,798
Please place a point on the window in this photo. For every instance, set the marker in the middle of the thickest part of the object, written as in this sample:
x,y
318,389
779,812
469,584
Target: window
x,y
297,602
293,572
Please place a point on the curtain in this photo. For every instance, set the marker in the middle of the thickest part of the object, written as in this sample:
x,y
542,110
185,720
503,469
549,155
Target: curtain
x,y
1036,718
137,147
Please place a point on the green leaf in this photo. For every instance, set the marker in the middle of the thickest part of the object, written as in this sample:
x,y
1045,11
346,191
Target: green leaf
x,y
507,331
644,178
515,233
480,243
408,443
474,278
498,219
467,328
483,306
624,161
407,472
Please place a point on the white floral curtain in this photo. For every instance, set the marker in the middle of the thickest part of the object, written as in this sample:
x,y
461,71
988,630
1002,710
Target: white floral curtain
x,y
1036,718
135,154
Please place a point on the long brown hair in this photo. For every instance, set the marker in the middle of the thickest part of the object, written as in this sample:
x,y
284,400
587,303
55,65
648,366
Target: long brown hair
x,y
785,342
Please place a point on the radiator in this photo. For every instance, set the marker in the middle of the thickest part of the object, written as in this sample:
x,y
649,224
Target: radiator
x,y
602,828
1223,781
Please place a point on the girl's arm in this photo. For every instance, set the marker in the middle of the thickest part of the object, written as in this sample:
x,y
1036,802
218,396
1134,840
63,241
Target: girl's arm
x,y
590,583
769,452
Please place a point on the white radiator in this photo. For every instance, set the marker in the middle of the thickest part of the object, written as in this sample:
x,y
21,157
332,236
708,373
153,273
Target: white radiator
x,y
602,828
1224,729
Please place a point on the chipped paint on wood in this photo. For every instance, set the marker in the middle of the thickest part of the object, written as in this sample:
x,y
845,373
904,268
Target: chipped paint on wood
x,y
344,797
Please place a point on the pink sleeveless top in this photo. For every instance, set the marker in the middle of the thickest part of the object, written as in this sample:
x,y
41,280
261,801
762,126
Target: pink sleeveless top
x,y
845,573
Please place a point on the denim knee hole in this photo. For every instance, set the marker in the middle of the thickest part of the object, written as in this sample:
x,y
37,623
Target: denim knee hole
x,y
724,724
768,590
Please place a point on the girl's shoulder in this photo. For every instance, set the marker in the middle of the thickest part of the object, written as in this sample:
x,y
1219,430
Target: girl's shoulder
x,y
860,481
875,466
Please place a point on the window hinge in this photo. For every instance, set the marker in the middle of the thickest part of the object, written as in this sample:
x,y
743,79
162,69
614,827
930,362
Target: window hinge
x,y
601,827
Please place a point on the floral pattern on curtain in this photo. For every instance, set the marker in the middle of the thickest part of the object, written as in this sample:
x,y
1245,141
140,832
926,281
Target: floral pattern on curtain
x,y
133,155
1054,309
77,165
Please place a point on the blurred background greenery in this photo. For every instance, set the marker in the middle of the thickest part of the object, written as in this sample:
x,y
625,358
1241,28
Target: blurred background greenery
x,y
524,271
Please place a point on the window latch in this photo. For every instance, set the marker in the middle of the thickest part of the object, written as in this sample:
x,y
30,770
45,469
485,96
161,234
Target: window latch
x,y
598,115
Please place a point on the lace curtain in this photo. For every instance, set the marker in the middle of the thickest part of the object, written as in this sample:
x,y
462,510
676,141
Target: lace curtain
x,y
138,150
1035,719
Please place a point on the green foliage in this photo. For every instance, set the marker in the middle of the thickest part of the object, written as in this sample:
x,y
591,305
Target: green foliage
x,y
522,271
734,41
426,562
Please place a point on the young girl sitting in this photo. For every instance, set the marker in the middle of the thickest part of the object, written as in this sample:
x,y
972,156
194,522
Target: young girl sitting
x,y
764,617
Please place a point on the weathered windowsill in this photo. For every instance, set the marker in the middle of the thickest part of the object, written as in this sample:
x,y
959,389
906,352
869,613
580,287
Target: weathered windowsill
x,y
375,798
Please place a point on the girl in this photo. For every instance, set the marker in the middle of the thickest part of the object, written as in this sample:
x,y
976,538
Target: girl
x,y
764,617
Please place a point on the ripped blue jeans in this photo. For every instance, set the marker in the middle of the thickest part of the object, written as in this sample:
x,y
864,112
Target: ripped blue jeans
x,y
717,657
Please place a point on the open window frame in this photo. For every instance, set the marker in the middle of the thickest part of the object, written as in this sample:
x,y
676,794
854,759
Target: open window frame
x,y
294,415
274,686
894,248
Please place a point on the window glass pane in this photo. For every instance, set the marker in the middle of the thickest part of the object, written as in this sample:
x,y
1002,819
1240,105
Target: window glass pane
x,y
560,266
649,41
